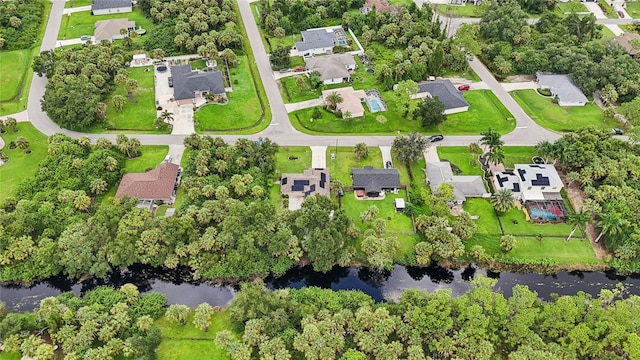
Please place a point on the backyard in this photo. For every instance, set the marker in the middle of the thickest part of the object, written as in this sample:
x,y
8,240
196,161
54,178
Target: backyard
x,y
547,113
20,165
345,160
396,221
82,23
293,159
139,113
485,111
243,109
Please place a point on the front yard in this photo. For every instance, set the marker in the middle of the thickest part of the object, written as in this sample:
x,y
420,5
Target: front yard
x,y
243,109
151,156
345,160
547,113
82,23
292,159
292,91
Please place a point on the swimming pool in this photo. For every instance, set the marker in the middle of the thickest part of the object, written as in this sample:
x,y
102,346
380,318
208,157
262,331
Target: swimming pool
x,y
375,105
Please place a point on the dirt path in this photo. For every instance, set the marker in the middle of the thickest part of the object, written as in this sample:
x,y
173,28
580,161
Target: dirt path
x,y
577,197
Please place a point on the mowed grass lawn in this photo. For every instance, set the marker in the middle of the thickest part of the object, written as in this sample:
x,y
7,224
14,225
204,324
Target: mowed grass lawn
x,y
83,23
468,10
188,343
20,165
292,93
461,157
345,160
561,118
633,9
396,221
13,65
485,111
152,155
300,159
243,109
569,7
138,114
76,3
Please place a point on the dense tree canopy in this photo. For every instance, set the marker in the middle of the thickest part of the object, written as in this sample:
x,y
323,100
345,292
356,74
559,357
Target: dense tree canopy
x,y
20,23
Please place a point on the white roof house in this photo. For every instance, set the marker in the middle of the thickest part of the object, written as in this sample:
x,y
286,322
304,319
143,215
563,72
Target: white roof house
x,y
463,185
563,88
530,182
333,69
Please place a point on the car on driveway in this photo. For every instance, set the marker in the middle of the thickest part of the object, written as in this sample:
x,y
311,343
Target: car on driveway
x,y
389,165
170,81
85,37
434,138
464,87
617,131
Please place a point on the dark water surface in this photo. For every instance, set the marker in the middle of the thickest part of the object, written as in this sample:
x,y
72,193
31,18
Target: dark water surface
x,y
381,286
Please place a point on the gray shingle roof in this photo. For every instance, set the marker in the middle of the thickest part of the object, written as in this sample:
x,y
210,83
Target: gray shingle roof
x,y
375,180
562,87
314,39
331,66
110,4
440,172
187,82
445,91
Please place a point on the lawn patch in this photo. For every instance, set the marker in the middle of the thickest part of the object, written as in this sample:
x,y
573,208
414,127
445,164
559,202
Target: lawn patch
x,y
243,109
21,166
77,3
396,222
633,9
576,251
461,158
81,23
487,221
561,118
571,7
468,10
152,155
291,92
345,160
293,159
514,223
18,61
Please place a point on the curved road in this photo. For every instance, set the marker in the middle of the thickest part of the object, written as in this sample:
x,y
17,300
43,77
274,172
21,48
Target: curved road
x,y
281,131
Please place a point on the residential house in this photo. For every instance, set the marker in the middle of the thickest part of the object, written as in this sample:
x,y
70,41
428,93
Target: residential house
x,y
351,101
446,92
333,69
189,85
110,29
562,88
373,182
627,40
104,7
321,41
158,184
299,186
463,185
378,6
534,182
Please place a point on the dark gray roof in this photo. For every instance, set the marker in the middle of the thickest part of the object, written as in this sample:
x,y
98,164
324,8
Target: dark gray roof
x,y
376,180
110,4
315,39
187,82
445,91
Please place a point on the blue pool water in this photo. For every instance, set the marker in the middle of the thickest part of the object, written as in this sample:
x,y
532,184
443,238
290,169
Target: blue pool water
x,y
375,105
537,213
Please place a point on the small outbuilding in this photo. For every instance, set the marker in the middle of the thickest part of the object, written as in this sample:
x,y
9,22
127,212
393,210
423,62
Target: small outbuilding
x,y
399,204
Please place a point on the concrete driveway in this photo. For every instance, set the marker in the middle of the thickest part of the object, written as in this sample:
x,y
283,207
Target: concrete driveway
x,y
304,104
431,154
318,157
386,155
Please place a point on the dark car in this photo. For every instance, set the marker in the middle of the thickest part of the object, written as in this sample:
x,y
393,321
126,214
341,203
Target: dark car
x,y
617,131
435,138
464,87
389,165
170,81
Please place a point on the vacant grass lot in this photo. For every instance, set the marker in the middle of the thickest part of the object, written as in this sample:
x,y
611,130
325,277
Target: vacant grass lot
x,y
468,10
243,109
568,118
576,251
485,111
345,160
286,165
292,93
21,166
14,65
83,23
188,343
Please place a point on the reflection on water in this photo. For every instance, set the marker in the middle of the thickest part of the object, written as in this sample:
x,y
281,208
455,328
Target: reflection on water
x,y
180,288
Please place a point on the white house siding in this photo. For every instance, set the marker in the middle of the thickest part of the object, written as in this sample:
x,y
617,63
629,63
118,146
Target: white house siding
x,y
357,114
318,51
333,81
127,9
456,110
563,103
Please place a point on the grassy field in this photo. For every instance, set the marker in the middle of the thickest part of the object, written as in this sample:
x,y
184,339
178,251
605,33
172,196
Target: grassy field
x,y
608,10
21,165
243,109
461,158
285,166
568,118
137,114
633,9
345,160
396,222
487,219
572,6
76,3
485,111
83,23
188,343
468,10
18,61
291,93
152,155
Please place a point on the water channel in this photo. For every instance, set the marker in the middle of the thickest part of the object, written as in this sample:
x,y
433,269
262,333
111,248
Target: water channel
x,y
178,287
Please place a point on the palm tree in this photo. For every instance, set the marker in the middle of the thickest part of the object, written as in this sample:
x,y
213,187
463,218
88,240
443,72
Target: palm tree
x,y
167,116
336,190
334,99
503,200
11,124
22,143
611,223
495,155
546,150
361,151
491,138
577,220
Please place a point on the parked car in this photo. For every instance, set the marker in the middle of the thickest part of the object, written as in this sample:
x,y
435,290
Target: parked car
x,y
285,70
299,68
464,87
85,37
617,131
170,81
435,138
389,165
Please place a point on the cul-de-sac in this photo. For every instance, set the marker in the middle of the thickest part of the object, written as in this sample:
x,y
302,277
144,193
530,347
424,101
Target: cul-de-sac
x,y
319,179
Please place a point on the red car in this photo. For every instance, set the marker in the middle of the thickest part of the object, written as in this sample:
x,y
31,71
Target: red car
x,y
464,87
299,68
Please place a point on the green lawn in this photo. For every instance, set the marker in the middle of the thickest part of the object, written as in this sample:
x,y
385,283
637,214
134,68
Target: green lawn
x,y
15,64
468,10
485,111
633,9
198,64
292,93
152,155
345,160
21,165
558,118
139,113
243,109
573,6
607,34
11,356
608,10
518,155
286,165
83,23
487,220
396,222
188,343
576,251
76,3
461,158
514,223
